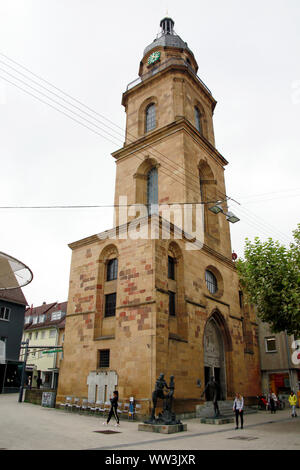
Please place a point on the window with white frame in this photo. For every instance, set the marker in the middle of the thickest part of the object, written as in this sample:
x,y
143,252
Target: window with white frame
x,y
52,333
42,334
28,320
42,318
4,313
35,320
56,315
270,344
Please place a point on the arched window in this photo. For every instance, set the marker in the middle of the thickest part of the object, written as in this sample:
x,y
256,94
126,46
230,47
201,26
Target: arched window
x,y
211,282
198,120
152,190
112,269
150,117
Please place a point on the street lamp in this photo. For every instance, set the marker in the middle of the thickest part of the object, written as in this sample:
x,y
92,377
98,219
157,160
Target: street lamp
x,y
216,208
231,217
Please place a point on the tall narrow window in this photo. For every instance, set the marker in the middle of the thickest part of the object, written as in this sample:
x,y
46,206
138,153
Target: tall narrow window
x,y
112,269
171,268
172,310
150,118
110,305
198,119
152,191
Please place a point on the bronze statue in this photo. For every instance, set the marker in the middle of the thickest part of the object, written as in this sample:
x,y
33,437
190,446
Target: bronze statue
x,y
167,416
213,388
158,393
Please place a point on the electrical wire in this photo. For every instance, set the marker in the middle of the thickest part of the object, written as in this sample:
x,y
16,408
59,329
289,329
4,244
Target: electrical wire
x,y
176,167
82,111
162,170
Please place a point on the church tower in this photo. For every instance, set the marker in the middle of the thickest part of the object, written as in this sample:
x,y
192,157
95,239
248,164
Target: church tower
x,y
139,304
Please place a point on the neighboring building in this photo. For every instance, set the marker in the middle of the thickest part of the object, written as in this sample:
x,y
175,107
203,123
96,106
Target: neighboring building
x,y
278,370
139,306
12,310
44,326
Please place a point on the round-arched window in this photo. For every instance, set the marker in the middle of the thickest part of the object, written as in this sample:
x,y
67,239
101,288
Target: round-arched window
x,y
211,282
150,117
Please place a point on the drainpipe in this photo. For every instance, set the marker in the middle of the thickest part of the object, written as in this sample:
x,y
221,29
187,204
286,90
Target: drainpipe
x,y
54,360
289,361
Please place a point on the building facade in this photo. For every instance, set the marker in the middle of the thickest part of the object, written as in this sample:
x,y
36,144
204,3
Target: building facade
x,y
280,366
44,327
12,311
150,296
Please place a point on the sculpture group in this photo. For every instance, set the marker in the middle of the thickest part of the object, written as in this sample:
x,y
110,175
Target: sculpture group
x,y
167,416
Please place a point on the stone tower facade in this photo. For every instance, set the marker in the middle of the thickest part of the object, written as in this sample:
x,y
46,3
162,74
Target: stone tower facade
x,y
146,297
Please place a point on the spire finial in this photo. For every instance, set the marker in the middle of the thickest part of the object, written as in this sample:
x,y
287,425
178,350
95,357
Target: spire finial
x,y
167,25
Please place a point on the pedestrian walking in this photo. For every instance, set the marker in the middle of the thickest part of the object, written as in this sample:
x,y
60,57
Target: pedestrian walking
x,y
113,409
272,399
293,403
39,382
238,408
29,382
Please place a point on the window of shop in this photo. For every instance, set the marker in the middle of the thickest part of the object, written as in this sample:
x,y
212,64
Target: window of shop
x,y
270,344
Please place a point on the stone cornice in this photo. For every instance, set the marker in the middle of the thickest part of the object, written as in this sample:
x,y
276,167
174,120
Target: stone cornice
x,y
107,235
181,124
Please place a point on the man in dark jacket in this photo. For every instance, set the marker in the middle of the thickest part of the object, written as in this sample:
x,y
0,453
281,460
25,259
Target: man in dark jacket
x,y
113,409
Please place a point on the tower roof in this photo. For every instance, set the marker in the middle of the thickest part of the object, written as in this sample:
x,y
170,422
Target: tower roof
x,y
167,37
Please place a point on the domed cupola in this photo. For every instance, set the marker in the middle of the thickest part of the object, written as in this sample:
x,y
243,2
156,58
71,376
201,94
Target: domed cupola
x,y
167,44
167,37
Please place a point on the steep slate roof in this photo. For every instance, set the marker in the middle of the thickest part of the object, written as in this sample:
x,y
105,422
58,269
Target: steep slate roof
x,y
14,296
46,309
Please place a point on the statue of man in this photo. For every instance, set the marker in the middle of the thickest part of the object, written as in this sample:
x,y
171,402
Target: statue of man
x,y
170,394
158,393
214,388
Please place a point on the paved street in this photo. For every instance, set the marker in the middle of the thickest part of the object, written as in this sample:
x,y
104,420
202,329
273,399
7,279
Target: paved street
x,y
32,427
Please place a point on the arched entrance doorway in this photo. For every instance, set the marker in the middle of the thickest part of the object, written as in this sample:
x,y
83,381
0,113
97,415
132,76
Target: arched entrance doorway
x,y
214,357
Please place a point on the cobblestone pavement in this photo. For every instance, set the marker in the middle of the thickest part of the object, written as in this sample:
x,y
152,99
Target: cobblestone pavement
x,y
24,426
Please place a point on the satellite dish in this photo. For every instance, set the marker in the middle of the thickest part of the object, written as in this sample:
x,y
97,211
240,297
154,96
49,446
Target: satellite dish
x,y
13,273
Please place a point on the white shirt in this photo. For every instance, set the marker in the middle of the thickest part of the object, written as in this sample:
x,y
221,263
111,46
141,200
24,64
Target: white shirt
x,y
238,403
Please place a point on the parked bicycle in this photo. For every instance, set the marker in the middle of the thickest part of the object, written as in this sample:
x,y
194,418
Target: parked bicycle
x,y
262,403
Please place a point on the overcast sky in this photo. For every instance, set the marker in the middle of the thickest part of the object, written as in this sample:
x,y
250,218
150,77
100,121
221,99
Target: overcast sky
x,y
248,55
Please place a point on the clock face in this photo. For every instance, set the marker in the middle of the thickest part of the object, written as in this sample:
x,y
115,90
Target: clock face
x,y
154,57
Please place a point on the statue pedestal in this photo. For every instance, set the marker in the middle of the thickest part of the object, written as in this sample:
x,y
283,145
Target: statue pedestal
x,y
220,420
162,428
